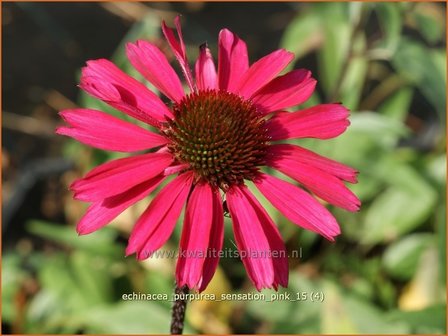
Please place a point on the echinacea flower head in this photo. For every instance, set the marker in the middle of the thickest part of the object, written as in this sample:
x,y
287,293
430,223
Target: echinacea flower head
x,y
209,143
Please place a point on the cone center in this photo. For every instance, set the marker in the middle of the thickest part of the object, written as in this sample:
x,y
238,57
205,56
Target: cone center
x,y
221,136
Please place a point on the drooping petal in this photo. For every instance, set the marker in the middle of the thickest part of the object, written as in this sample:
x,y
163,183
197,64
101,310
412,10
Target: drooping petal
x,y
195,236
277,246
250,239
263,71
205,70
298,206
100,130
104,80
156,224
257,239
153,65
321,183
215,242
285,91
324,121
178,48
309,158
104,211
233,60
114,177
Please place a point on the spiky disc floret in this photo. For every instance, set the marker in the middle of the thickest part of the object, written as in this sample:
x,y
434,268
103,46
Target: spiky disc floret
x,y
221,136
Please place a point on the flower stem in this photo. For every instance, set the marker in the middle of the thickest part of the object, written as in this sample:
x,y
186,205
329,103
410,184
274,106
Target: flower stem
x,y
178,312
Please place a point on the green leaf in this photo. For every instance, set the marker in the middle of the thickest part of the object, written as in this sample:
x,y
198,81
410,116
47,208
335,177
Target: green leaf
x,y
275,311
12,278
397,105
158,282
441,235
343,312
130,317
405,205
414,62
402,257
40,308
370,320
438,56
436,169
58,279
335,317
383,130
59,300
403,176
390,18
288,315
424,290
369,137
355,12
99,242
366,188
438,59
430,21
93,276
394,213
431,320
70,286
352,84
428,27
302,35
333,54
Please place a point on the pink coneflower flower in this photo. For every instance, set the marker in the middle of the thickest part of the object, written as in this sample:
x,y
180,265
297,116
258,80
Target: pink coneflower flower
x,y
213,139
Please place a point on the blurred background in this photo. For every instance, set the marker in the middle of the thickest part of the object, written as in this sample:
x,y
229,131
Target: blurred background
x,y
385,274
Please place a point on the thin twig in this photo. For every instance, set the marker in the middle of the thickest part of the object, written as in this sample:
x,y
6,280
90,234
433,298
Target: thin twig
x,y
387,87
135,11
28,125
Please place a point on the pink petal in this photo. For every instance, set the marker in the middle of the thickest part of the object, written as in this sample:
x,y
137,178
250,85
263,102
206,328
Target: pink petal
x,y
104,211
179,49
279,259
153,65
263,71
105,81
195,236
321,183
309,158
285,91
298,206
321,121
215,242
100,130
114,177
178,168
257,238
156,224
205,70
233,60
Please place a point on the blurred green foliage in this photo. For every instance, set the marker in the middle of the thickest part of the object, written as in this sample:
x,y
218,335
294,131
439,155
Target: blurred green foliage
x,y
385,274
